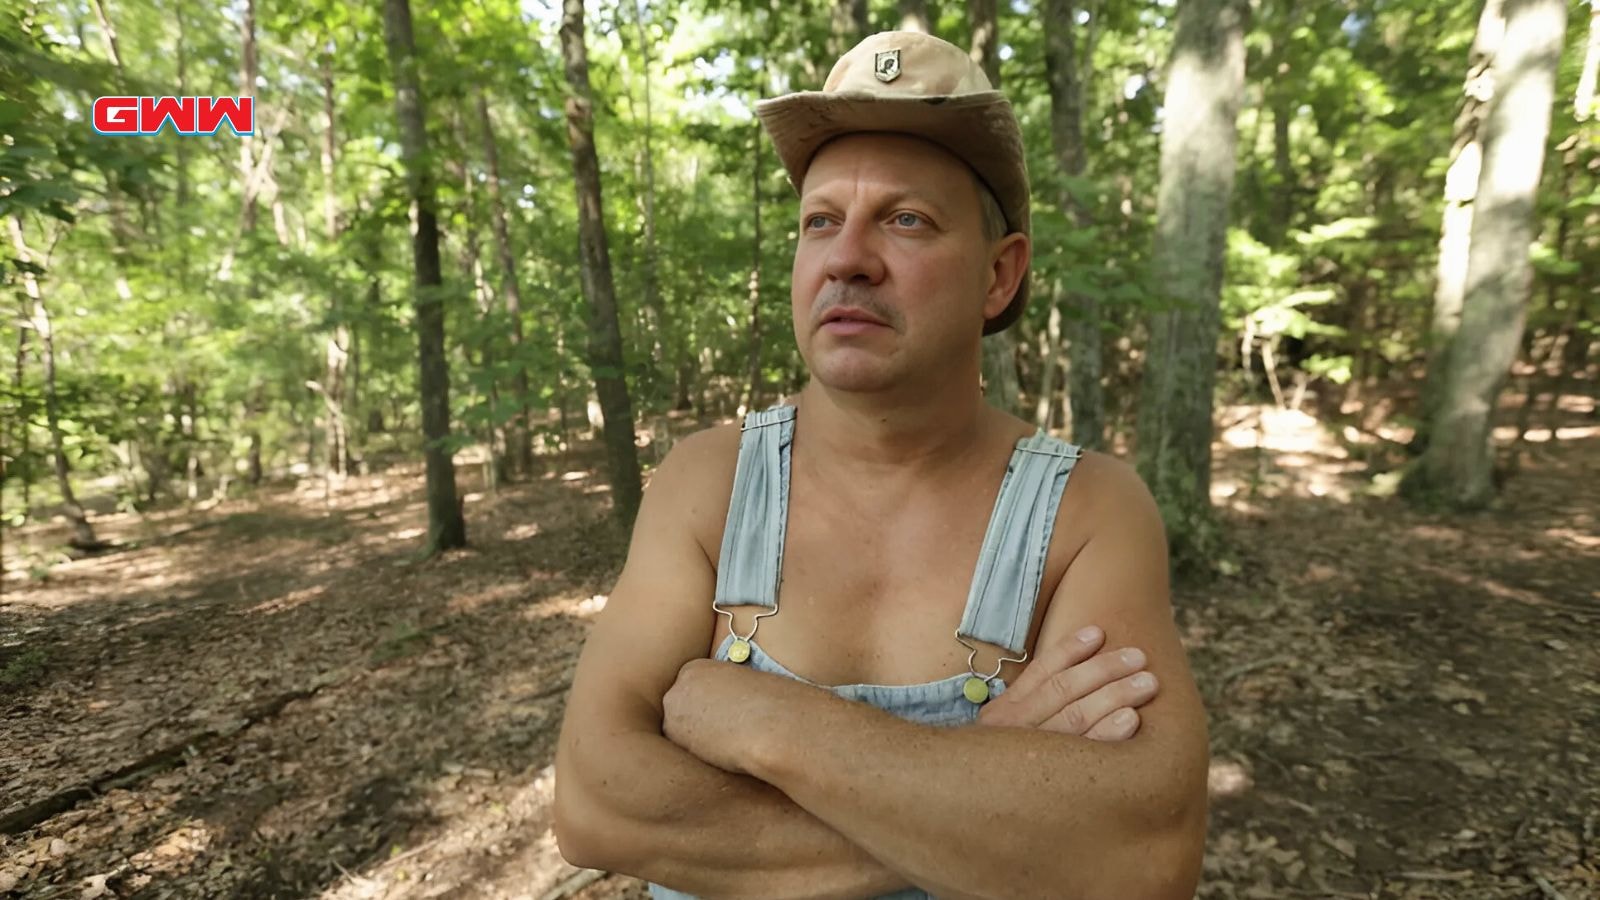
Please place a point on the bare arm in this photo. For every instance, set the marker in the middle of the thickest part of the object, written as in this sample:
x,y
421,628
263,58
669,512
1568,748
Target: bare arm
x,y
629,800
997,812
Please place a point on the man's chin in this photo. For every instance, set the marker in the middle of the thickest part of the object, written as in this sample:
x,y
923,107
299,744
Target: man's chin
x,y
856,376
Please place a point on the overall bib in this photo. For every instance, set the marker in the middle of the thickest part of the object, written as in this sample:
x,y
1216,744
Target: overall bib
x,y
1000,602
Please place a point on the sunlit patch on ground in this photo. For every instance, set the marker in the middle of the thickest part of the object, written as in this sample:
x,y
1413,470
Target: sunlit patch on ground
x,y
576,606
469,600
1227,779
1278,451
523,532
1579,539
290,600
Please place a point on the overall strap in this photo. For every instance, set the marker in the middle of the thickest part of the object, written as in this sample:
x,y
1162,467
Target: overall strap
x,y
750,565
1005,587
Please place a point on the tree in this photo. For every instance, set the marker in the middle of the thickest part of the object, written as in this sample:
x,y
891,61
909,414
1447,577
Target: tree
x,y
1066,130
753,390
915,16
656,316
332,388
849,25
1457,466
520,445
446,526
999,350
1199,131
1460,189
605,334
83,536
1583,98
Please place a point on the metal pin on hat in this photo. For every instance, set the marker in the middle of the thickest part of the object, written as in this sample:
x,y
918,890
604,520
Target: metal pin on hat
x,y
886,65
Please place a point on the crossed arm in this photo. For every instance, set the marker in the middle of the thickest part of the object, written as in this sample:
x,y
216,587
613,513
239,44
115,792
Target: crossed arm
x,y
806,795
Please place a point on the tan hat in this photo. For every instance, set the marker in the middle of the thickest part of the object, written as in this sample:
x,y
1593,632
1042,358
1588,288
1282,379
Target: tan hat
x,y
912,83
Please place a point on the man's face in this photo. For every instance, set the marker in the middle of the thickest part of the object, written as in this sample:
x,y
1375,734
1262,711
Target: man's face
x,y
893,278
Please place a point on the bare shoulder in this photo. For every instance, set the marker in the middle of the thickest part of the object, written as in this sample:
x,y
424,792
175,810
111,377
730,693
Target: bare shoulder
x,y
695,482
1108,556
1108,491
1104,497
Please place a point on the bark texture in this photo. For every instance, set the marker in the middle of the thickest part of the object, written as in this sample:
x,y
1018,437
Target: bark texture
x,y
1457,465
605,333
1198,137
446,526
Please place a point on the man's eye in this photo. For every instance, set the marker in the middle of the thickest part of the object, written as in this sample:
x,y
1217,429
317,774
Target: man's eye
x,y
818,221
908,220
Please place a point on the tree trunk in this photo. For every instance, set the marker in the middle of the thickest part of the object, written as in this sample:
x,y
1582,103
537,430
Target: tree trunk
x,y
753,391
120,236
1457,466
1066,129
1001,388
1460,191
495,436
253,467
519,446
1282,201
657,317
182,147
24,422
188,416
1276,21
1198,135
1583,99
1049,350
337,350
914,16
109,33
983,16
83,536
999,350
849,25
446,527
605,335
247,87
247,224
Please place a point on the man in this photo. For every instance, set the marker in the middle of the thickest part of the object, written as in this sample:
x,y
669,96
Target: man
x,y
886,505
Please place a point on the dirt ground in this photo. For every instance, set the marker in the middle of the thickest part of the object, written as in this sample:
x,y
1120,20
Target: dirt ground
x,y
274,698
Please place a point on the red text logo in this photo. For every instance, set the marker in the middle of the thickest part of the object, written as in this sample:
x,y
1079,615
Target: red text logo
x,y
186,115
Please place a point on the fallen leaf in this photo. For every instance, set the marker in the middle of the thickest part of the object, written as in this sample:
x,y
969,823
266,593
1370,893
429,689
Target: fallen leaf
x,y
1343,845
94,886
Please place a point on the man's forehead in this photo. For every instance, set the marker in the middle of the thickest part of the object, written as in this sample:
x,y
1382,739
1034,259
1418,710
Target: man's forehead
x,y
902,163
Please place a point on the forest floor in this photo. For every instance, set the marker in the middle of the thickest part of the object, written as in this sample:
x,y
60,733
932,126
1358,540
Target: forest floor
x,y
274,698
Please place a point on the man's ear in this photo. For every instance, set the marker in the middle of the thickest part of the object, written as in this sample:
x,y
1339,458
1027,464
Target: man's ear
x,y
1008,265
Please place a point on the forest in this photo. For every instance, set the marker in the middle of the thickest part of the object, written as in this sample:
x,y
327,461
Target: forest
x,y
320,444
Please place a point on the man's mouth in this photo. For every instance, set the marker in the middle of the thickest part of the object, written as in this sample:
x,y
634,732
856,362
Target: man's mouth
x,y
852,317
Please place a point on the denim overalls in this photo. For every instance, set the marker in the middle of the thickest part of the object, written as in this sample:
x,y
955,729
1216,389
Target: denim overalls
x,y
1000,602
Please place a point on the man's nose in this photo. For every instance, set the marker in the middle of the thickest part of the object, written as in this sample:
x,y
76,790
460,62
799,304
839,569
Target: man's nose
x,y
853,254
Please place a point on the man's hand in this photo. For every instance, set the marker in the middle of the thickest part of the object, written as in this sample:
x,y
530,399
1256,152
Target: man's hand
x,y
1069,689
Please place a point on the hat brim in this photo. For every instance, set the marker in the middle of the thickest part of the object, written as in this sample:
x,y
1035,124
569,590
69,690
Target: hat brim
x,y
979,128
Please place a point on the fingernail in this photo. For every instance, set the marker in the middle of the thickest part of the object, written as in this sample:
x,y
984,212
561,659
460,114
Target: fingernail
x,y
1133,656
1144,681
1125,717
1089,635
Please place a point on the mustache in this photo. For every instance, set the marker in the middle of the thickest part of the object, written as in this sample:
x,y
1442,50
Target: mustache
x,y
864,299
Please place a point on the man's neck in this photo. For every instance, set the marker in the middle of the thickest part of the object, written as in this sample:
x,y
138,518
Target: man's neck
x,y
873,434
